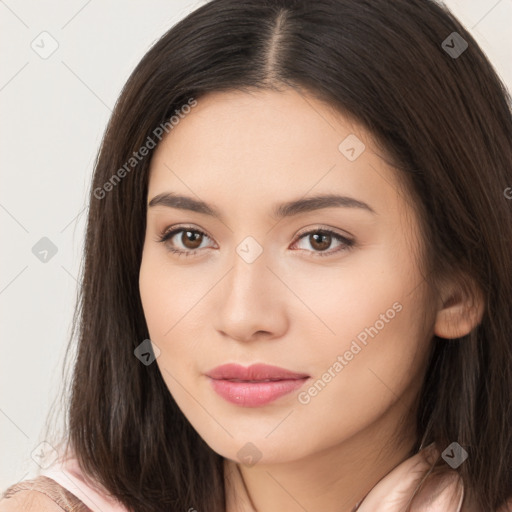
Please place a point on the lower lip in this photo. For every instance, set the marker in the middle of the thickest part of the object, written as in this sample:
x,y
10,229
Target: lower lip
x,y
254,394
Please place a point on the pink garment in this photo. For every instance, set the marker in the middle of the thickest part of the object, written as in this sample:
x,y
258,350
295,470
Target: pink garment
x,y
390,494
393,492
67,473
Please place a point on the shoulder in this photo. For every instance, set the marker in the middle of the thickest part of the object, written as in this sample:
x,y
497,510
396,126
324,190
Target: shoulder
x,y
29,501
41,494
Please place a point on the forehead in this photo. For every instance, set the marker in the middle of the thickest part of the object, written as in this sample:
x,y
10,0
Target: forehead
x,y
262,147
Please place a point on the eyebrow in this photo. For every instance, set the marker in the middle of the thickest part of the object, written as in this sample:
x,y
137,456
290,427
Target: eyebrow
x,y
287,209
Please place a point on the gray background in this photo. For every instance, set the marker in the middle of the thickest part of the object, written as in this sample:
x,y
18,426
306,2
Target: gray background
x,y
54,109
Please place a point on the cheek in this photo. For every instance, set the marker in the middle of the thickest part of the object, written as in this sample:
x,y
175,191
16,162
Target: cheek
x,y
168,292
378,340
377,357
346,301
151,294
171,297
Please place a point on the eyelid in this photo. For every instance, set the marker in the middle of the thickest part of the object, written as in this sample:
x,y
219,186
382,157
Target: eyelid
x,y
324,228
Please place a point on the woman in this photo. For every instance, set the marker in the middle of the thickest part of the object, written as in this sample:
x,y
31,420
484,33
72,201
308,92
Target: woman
x,y
297,291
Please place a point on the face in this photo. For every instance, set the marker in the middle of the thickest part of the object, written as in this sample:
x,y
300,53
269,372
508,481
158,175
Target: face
x,y
329,291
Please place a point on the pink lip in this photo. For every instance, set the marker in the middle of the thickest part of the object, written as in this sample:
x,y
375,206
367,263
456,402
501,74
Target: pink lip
x,y
259,384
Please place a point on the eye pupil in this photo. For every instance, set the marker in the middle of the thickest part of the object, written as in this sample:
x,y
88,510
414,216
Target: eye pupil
x,y
191,237
321,246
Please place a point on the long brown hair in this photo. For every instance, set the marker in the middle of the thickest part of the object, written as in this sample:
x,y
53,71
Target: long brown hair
x,y
442,113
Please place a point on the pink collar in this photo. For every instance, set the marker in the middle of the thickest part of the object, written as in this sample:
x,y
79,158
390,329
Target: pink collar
x,y
67,473
440,493
392,493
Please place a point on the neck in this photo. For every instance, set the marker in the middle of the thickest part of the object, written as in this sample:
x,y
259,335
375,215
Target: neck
x,y
335,479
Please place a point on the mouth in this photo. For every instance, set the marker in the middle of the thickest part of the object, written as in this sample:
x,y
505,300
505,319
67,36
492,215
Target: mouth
x,y
262,380
254,373
256,385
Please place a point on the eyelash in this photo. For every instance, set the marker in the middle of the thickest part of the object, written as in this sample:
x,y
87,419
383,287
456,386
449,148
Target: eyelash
x,y
167,235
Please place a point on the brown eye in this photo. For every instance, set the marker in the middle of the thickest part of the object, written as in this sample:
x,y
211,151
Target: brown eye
x,y
321,239
185,245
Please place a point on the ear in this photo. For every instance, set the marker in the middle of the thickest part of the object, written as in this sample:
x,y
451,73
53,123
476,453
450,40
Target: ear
x,y
460,310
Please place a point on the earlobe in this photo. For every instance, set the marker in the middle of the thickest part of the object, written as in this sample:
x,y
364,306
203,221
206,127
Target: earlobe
x,y
459,314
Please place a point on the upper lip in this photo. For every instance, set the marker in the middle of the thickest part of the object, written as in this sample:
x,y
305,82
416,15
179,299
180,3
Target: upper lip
x,y
254,372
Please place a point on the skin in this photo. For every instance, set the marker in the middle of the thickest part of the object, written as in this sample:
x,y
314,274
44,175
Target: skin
x,y
243,153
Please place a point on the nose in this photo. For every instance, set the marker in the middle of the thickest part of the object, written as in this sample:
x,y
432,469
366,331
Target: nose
x,y
252,301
